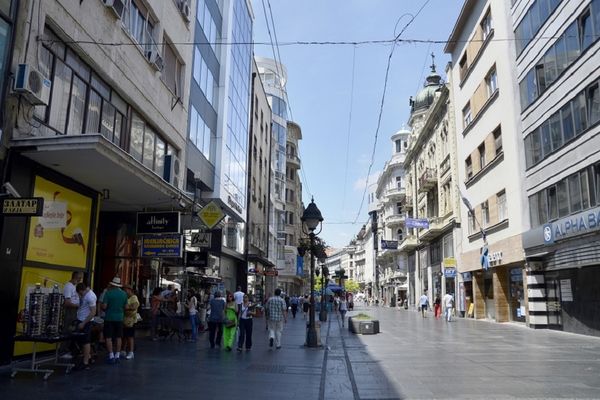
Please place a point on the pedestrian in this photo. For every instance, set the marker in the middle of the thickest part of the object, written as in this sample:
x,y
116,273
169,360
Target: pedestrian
x,y
294,305
239,298
343,307
85,313
276,317
448,303
424,303
155,311
192,306
113,304
306,306
246,313
215,320
71,307
230,322
437,306
131,313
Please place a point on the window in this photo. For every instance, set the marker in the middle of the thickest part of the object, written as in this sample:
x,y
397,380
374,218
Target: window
x,y
549,67
399,208
552,203
586,35
556,131
469,168
399,182
585,189
398,146
593,104
567,122
486,25
501,202
498,140
580,113
462,64
546,140
472,224
491,82
575,192
481,150
533,20
485,214
572,43
399,235
563,198
173,70
467,118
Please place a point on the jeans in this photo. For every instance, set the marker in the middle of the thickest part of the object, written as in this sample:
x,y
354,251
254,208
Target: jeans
x,y
194,323
215,327
245,333
449,313
275,329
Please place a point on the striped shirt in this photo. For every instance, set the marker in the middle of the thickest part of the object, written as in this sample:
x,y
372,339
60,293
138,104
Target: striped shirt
x,y
276,307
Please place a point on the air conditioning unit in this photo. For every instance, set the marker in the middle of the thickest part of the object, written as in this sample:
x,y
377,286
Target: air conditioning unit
x,y
172,170
184,8
33,85
116,6
155,60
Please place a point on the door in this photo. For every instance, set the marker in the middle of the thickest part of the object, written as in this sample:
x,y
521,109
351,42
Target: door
x,y
553,303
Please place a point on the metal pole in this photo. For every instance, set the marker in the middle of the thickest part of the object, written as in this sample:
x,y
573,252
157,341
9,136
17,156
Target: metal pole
x,y
323,313
311,335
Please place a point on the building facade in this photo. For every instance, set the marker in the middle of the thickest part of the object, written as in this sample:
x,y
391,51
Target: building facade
x,y
560,113
490,149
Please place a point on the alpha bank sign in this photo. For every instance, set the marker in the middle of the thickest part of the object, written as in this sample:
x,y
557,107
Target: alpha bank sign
x,y
575,225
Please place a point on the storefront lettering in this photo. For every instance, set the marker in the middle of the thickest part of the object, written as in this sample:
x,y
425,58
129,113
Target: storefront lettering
x,y
575,225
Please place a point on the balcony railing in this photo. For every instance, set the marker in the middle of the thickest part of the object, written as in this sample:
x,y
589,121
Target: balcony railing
x,y
294,159
394,219
395,193
409,243
427,180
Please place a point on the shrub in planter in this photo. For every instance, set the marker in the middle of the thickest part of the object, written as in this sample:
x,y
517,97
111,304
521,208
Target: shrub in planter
x,y
363,324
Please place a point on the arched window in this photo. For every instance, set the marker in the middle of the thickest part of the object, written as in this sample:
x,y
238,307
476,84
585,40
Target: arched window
x,y
399,233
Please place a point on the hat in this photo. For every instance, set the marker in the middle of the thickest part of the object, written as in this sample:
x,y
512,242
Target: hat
x,y
116,281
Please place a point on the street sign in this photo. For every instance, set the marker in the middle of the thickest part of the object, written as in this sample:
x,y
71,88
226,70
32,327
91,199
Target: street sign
x,y
23,207
201,239
197,259
160,223
389,244
417,223
161,246
211,214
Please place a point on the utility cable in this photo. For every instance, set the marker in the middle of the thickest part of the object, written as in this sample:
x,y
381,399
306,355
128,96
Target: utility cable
x,y
349,131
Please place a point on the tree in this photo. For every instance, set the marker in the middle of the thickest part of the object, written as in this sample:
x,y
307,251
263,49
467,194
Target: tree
x,y
351,286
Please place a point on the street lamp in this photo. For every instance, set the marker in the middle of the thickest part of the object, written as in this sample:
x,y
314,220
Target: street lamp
x,y
324,275
311,218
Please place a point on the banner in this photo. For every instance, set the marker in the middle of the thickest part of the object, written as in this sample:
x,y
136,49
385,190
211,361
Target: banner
x,y
61,235
299,266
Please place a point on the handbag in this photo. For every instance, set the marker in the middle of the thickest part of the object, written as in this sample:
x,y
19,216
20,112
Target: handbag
x,y
229,323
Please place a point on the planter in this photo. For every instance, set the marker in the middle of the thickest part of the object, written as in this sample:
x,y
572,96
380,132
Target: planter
x,y
363,326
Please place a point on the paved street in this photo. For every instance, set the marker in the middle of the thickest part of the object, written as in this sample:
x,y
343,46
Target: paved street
x,y
412,358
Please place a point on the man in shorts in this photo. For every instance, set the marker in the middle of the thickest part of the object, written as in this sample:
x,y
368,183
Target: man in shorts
x,y
85,313
113,304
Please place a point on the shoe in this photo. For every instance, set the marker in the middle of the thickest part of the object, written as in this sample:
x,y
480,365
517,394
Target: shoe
x,y
239,349
110,361
129,356
123,354
270,342
67,356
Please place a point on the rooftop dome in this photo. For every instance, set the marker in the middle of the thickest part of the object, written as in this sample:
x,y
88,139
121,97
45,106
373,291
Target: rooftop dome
x,y
425,97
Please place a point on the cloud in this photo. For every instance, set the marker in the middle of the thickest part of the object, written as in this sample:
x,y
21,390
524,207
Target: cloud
x,y
360,183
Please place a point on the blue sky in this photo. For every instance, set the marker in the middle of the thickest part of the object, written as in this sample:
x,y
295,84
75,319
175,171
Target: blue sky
x,y
319,89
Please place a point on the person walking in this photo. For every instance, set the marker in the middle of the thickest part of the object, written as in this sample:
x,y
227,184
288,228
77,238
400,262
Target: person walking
x,y
113,304
155,311
71,308
85,313
129,321
230,323
424,303
276,317
343,308
246,314
192,305
239,298
215,320
294,304
448,304
306,306
437,307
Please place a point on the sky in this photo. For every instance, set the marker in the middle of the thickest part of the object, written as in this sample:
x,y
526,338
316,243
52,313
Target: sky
x,y
335,91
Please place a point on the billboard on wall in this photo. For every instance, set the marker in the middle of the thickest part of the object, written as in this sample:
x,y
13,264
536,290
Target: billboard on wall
x,y
61,235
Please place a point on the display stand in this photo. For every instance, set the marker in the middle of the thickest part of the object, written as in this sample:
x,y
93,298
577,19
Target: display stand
x,y
36,363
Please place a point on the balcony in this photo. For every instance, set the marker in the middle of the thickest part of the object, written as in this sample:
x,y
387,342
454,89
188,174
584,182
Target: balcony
x,y
395,194
408,201
427,180
394,219
409,243
293,160
436,226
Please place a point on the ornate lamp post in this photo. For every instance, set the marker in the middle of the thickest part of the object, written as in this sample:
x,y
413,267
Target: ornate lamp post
x,y
324,275
311,218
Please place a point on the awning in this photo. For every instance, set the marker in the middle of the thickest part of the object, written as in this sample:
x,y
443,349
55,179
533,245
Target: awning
x,y
102,166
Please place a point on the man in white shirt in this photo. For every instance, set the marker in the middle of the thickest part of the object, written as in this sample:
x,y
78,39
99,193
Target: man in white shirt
x,y
448,304
239,298
85,313
71,306
424,303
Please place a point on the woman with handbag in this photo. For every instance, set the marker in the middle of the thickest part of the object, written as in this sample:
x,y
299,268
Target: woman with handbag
x,y
246,314
230,322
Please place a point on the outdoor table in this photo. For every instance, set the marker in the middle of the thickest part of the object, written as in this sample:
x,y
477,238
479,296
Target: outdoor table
x,y
35,362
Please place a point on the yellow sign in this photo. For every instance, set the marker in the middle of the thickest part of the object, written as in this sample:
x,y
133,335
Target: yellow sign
x,y
21,206
211,214
449,262
61,235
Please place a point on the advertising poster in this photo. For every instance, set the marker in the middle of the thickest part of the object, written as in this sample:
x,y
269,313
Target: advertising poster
x,y
61,235
46,278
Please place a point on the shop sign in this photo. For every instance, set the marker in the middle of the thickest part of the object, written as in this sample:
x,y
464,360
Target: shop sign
x,y
162,246
578,224
449,262
211,214
271,272
495,257
417,223
450,272
23,207
389,244
158,223
198,259
201,239
467,277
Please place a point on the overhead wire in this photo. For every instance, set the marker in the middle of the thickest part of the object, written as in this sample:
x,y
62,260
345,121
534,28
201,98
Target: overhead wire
x,y
385,82
349,130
